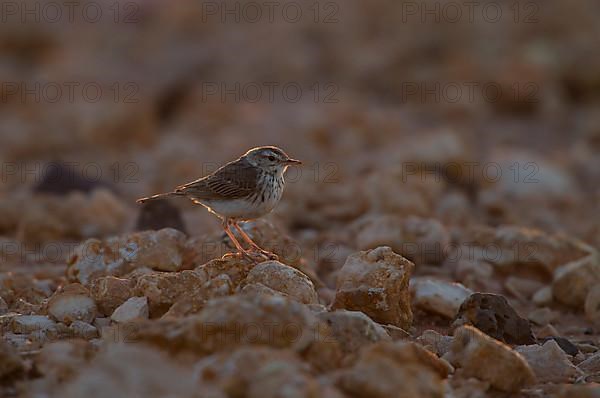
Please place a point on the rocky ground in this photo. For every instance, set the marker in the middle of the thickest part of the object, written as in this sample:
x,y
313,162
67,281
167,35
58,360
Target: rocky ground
x,y
427,248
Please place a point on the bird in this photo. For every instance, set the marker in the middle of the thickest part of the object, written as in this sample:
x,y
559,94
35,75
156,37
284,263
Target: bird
x,y
242,190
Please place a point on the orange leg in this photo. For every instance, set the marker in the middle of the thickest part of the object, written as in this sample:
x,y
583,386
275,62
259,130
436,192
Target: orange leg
x,y
253,245
237,245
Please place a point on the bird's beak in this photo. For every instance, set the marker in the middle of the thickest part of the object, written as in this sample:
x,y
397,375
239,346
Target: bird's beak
x,y
293,161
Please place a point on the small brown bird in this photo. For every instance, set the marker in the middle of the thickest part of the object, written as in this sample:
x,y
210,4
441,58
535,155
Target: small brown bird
x,y
242,190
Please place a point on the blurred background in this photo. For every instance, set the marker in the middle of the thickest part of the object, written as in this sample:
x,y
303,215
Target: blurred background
x,y
461,113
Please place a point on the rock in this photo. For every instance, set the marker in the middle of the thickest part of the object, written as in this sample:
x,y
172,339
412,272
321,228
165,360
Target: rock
x,y
353,330
549,363
15,286
133,309
229,322
109,292
78,215
492,314
376,283
573,281
512,248
25,324
395,370
163,289
592,305
87,262
435,342
542,316
438,297
71,303
487,359
142,372
522,288
546,332
591,365
3,306
543,296
61,179
256,371
159,214
10,362
59,361
236,268
580,391
83,330
160,250
285,279
258,288
283,380
423,241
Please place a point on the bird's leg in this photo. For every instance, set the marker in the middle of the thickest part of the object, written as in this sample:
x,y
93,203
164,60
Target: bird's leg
x,y
253,245
237,245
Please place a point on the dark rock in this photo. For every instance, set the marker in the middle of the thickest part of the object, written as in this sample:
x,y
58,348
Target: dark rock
x,y
60,179
159,214
492,314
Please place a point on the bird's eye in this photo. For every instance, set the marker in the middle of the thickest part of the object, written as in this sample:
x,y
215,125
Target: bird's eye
x,y
271,158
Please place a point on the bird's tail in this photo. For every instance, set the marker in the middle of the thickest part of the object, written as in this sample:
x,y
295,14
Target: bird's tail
x,y
158,196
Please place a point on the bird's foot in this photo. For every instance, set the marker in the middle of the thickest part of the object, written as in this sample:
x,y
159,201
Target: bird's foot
x,y
266,254
244,255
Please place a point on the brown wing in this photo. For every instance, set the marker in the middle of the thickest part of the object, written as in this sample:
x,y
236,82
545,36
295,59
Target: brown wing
x,y
233,181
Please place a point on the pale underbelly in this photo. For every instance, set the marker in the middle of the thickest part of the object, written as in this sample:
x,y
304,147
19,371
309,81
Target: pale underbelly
x,y
239,208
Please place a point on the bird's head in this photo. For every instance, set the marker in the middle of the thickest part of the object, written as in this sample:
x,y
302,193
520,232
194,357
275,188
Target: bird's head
x,y
270,158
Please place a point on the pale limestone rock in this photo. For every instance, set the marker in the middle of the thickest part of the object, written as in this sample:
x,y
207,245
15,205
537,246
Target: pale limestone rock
x,y
513,247
109,292
573,281
59,361
256,371
25,324
543,296
423,241
135,308
592,305
229,322
160,250
591,365
435,342
353,329
284,279
395,370
490,360
142,372
164,289
542,316
72,303
376,283
438,297
83,330
549,362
